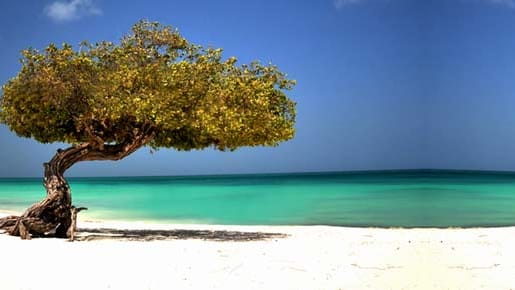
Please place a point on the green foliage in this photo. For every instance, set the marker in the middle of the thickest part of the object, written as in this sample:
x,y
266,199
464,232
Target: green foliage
x,y
102,92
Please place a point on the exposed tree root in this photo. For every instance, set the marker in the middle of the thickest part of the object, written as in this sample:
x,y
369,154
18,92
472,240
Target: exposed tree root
x,y
7,223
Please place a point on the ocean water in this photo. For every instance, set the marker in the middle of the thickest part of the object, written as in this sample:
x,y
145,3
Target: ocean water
x,y
412,198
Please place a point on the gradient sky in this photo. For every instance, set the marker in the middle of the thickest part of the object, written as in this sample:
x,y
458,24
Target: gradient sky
x,y
382,84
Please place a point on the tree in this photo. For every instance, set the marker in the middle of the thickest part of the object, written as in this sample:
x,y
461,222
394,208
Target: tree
x,y
153,89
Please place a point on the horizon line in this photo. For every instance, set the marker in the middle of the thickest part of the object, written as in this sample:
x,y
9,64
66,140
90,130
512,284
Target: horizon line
x,y
358,171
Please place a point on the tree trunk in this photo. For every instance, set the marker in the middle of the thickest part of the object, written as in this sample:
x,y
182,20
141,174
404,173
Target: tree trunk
x,y
55,215
52,215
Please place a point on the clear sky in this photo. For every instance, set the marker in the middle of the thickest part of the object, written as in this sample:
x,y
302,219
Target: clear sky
x,y
382,84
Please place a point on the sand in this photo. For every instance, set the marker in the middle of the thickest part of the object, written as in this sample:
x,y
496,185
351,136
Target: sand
x,y
308,257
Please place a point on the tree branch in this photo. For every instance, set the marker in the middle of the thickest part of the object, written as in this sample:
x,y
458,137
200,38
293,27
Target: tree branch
x,y
138,139
97,141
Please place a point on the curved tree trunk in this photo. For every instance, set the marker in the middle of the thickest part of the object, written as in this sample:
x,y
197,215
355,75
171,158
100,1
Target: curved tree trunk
x,y
55,215
52,215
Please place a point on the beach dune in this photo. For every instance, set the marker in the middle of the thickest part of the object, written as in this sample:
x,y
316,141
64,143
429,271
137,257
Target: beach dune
x,y
117,255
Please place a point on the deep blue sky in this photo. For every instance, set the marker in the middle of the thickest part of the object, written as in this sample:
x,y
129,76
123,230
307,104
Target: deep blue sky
x,y
382,84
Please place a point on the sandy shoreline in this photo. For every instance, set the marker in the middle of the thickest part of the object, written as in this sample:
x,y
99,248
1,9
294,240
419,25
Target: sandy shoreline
x,y
234,257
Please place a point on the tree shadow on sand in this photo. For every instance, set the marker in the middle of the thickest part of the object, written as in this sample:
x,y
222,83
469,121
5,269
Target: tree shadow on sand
x,y
158,235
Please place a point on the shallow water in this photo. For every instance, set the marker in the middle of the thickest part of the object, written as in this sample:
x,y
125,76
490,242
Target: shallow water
x,y
415,198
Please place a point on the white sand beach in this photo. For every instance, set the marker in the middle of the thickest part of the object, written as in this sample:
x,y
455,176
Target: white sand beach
x,y
308,257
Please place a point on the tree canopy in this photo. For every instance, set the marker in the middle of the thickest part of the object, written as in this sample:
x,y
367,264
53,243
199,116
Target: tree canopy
x,y
153,80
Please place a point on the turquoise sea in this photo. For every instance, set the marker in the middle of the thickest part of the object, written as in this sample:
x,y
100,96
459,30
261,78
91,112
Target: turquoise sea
x,y
409,198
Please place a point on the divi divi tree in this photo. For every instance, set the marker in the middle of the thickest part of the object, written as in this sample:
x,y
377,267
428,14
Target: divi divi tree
x,y
153,89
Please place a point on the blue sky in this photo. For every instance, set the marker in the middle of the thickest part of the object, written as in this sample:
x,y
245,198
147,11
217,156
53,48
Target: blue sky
x,y
382,84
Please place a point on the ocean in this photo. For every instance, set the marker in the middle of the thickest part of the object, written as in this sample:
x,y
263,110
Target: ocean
x,y
407,198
